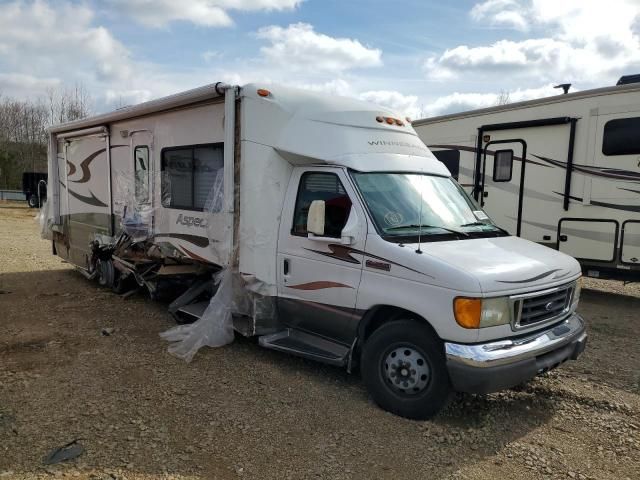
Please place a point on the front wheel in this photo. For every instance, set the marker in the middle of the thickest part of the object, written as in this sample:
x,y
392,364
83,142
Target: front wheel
x,y
32,201
404,369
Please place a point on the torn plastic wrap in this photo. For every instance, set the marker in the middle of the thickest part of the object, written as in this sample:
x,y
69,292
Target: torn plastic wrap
x,y
248,259
213,329
132,206
45,220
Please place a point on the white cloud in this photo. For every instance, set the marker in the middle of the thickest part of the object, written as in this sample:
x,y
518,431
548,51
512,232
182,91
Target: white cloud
x,y
460,102
22,84
208,13
37,40
211,55
505,13
588,41
298,47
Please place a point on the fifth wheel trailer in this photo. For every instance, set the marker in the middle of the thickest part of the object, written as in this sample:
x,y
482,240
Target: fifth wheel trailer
x,y
563,171
346,240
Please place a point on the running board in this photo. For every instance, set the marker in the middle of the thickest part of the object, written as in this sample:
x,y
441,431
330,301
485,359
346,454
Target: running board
x,y
190,313
186,308
307,345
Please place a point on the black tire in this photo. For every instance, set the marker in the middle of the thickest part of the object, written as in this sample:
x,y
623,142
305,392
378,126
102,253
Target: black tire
x,y
105,273
32,201
424,346
121,284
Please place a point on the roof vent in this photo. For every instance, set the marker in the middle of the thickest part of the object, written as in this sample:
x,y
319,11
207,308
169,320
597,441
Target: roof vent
x,y
627,79
564,86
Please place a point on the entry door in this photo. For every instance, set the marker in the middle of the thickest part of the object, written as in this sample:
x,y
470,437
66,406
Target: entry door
x,y
87,194
500,190
318,278
142,191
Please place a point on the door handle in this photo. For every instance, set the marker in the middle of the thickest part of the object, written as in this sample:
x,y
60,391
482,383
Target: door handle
x,y
563,238
285,267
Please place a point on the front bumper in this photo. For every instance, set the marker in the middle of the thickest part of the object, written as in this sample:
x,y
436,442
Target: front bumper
x,y
489,367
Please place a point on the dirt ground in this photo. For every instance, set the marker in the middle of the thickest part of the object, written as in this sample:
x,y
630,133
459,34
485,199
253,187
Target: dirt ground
x,y
244,412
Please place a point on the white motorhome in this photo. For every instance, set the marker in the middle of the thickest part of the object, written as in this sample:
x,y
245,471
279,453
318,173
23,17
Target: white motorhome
x,y
563,171
351,242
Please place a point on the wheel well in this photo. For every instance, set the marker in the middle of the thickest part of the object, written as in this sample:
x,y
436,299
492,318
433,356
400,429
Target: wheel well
x,y
374,319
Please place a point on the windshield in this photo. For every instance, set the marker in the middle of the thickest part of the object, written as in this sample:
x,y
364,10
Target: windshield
x,y
406,204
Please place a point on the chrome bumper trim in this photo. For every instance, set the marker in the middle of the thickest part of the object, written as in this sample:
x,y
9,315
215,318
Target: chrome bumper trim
x,y
503,352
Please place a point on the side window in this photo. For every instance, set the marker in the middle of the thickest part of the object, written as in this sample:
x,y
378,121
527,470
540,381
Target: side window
x,y
141,169
327,187
192,177
621,137
502,165
451,160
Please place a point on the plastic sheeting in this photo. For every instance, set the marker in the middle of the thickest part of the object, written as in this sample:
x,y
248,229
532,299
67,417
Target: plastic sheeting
x,y
213,329
45,219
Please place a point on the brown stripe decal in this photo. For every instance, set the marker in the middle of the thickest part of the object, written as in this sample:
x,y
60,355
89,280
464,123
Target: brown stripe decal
x,y
198,241
194,256
489,152
319,285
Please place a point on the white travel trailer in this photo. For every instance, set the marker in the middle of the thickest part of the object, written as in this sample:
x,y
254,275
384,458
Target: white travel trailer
x,y
348,242
563,171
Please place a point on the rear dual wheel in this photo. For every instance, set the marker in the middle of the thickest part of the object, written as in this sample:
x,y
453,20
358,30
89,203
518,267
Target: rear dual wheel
x,y
404,369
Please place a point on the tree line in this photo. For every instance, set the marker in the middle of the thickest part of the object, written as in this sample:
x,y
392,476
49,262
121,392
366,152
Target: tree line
x,y
23,129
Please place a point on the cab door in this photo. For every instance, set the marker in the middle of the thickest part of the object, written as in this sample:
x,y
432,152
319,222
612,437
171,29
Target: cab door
x,y
319,276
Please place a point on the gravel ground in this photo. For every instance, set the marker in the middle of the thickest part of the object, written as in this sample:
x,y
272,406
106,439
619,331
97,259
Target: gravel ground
x,y
245,412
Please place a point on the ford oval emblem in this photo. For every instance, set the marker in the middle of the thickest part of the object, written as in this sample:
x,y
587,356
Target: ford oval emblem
x,y
548,306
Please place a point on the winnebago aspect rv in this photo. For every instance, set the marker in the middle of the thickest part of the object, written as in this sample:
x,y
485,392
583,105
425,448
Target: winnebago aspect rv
x,y
349,243
562,171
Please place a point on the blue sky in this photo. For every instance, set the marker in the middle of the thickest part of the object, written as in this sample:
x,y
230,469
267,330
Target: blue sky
x,y
421,57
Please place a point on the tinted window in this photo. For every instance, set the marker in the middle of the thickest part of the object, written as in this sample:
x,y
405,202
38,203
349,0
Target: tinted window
x,y
502,165
327,187
192,177
621,137
451,160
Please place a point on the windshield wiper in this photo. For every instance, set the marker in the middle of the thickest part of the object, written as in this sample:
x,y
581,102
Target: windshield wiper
x,y
482,224
450,230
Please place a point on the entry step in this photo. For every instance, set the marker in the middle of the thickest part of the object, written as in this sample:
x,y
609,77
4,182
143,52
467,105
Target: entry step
x,y
306,345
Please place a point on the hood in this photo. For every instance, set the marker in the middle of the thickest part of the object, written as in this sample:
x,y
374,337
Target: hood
x,y
504,264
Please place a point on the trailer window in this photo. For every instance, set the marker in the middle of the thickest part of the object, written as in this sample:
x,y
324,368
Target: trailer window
x,y
192,177
502,166
141,168
621,137
327,187
451,160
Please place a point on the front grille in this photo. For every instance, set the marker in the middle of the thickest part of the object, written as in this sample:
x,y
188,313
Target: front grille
x,y
546,306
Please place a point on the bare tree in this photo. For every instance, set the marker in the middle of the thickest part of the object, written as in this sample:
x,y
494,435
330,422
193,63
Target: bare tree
x,y
23,124
503,98
68,104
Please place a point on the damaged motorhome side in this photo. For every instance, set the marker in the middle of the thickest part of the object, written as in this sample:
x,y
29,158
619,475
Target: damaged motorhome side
x,y
334,232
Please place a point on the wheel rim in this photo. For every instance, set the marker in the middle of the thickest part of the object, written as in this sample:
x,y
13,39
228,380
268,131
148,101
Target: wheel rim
x,y
406,370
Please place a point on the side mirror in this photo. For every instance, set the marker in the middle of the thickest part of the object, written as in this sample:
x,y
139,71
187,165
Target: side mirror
x,y
315,219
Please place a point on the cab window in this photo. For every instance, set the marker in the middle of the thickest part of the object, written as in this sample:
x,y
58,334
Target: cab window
x,y
327,187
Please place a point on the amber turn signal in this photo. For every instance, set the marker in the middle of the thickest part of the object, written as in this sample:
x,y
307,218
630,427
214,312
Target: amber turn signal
x,y
263,93
468,311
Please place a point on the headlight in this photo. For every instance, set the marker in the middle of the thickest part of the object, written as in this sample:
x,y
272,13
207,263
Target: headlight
x,y
481,312
576,294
